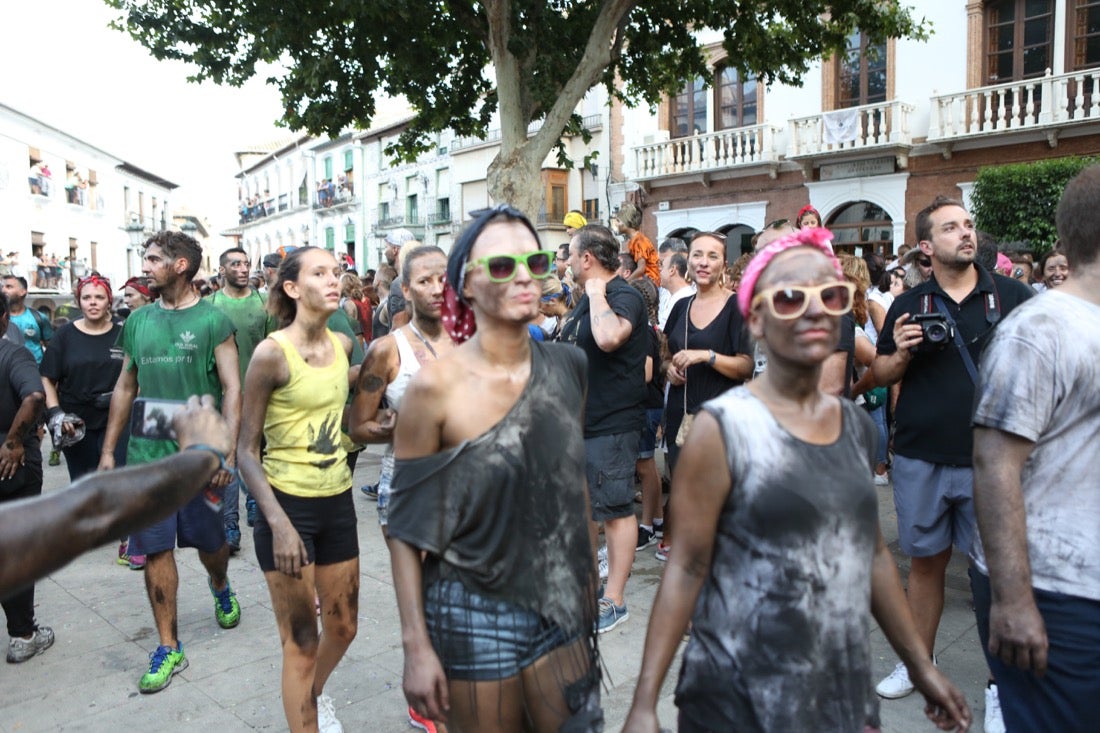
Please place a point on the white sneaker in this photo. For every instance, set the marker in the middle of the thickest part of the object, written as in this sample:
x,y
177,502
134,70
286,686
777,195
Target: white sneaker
x,y
882,479
896,684
994,723
326,716
601,554
603,568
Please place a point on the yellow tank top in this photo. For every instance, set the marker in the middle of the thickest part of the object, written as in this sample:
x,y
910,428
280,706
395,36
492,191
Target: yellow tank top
x,y
305,455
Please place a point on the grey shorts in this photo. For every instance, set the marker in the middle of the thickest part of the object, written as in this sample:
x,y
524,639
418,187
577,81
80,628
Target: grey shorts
x,y
609,467
935,506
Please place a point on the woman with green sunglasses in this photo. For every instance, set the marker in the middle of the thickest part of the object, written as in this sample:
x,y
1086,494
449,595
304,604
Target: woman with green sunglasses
x,y
498,618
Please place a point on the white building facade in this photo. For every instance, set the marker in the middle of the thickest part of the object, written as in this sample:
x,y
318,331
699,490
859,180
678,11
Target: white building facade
x,y
65,198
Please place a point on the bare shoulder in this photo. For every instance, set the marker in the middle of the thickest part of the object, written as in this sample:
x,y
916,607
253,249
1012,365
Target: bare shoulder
x,y
436,380
344,342
269,363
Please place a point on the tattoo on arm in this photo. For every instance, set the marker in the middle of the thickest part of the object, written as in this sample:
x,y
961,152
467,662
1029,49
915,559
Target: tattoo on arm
x,y
597,317
372,383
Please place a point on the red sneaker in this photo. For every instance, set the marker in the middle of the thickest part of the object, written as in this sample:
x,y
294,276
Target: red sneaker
x,y
418,721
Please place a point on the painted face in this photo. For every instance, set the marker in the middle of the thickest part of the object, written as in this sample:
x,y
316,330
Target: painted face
x,y
514,301
236,269
810,338
318,284
425,288
952,240
1055,271
95,303
706,261
157,266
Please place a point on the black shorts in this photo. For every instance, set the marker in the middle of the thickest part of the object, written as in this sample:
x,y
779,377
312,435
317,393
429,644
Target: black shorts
x,y
325,524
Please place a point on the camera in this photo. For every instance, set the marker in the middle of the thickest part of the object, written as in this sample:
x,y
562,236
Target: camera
x,y
152,419
935,329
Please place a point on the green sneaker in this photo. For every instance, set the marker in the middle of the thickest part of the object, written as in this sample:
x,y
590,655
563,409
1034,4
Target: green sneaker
x,y
226,609
163,664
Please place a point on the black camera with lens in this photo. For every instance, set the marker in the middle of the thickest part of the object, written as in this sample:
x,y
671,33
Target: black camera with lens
x,y
935,329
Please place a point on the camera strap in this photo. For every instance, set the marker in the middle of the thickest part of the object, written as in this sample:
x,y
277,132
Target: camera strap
x,y
964,352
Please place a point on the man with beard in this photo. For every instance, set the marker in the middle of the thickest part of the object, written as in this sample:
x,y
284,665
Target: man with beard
x,y
931,341
247,308
178,347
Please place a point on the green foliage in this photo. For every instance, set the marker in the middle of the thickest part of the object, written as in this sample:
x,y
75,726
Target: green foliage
x,y
331,57
1016,203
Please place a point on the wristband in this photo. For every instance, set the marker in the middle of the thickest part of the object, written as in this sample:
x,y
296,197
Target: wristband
x,y
212,449
51,411
712,357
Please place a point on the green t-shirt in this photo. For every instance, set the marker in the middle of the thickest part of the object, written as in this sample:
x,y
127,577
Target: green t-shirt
x,y
339,322
250,318
173,353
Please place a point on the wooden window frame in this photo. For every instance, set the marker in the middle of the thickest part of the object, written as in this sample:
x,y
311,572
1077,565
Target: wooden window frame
x,y
988,54
690,92
716,100
1073,9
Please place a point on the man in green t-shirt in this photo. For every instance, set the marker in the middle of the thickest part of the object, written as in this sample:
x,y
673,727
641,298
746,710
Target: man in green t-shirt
x,y
175,348
247,309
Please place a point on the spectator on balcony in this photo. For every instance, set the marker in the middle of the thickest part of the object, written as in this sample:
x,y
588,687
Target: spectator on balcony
x,y
808,218
638,244
573,221
40,179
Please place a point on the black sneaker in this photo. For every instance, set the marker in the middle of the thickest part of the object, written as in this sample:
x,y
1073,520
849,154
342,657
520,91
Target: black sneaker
x,y
646,537
251,511
371,491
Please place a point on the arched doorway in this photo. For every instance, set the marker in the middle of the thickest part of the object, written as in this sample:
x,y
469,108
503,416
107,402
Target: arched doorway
x,y
684,233
738,240
860,227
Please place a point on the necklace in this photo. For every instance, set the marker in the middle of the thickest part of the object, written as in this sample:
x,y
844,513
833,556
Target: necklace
x,y
423,340
179,306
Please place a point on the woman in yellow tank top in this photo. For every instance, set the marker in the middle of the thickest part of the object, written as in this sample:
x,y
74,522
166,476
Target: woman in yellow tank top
x,y
306,539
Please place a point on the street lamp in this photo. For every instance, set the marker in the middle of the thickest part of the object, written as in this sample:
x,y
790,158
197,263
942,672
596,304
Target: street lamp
x,y
136,231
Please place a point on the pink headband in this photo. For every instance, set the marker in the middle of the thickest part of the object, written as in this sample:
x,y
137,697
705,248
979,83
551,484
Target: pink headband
x,y
818,238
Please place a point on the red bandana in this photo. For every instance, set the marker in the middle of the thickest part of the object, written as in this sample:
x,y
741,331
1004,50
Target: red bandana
x,y
458,318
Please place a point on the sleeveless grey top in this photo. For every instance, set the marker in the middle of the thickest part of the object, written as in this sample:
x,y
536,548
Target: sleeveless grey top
x,y
780,637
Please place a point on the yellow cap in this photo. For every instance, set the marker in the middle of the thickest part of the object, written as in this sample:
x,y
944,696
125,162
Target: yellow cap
x,y
573,220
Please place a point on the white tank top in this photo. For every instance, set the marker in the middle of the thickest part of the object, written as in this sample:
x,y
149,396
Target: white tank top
x,y
395,391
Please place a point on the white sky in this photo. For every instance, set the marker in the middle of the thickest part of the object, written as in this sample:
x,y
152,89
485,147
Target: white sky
x,y
61,64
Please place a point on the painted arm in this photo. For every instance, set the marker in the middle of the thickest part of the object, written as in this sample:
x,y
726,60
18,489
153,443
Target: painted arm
x,y
700,488
266,371
122,400
229,374
945,704
369,424
11,452
1017,634
101,508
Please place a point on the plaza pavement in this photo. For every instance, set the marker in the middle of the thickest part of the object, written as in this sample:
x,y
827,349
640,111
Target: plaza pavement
x,y
104,628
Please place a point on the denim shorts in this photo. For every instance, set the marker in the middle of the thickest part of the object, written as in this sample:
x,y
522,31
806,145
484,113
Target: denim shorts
x,y
647,446
609,467
194,525
479,638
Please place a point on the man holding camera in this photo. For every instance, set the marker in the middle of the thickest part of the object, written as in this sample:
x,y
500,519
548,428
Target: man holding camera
x,y
931,342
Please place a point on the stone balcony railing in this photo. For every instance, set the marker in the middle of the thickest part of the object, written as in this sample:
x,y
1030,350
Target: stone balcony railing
x,y
741,146
883,125
1045,104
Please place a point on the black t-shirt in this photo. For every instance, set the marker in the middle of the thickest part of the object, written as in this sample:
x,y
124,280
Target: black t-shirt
x,y
847,344
726,335
84,367
616,379
937,393
20,378
655,393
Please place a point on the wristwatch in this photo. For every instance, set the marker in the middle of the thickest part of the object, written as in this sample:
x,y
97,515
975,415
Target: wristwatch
x,y
712,357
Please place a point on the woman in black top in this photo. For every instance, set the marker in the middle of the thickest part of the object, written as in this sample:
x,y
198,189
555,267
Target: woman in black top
x,y
79,371
709,346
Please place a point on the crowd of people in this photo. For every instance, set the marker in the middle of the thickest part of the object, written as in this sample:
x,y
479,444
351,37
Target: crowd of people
x,y
523,397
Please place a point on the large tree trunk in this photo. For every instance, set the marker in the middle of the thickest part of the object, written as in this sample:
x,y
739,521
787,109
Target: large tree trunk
x,y
515,179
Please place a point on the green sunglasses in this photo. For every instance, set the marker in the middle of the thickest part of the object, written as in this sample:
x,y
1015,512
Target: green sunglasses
x,y
502,268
